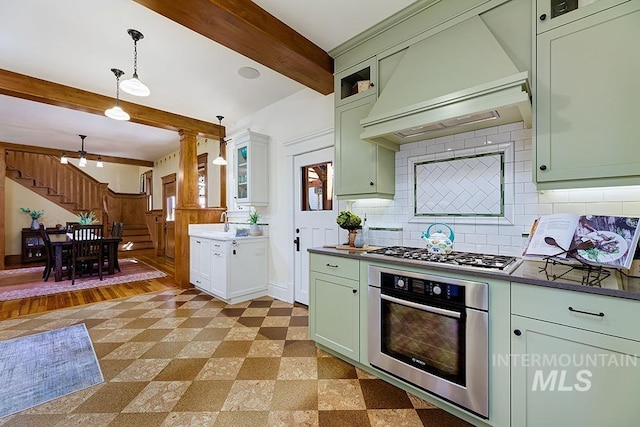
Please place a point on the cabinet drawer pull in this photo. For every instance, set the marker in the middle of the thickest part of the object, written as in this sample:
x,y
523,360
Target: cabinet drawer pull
x,y
517,332
601,314
332,265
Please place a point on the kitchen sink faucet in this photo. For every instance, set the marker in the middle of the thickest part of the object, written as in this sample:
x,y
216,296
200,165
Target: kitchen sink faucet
x,y
223,217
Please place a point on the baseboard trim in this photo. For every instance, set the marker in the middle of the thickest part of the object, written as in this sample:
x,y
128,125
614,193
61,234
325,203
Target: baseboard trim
x,y
280,291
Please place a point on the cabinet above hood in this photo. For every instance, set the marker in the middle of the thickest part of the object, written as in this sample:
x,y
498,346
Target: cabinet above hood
x,y
457,80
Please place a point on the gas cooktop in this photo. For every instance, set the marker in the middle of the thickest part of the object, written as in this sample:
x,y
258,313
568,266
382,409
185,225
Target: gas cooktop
x,y
465,259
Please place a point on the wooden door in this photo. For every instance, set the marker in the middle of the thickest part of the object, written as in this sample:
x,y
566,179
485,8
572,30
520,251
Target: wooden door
x,y
169,214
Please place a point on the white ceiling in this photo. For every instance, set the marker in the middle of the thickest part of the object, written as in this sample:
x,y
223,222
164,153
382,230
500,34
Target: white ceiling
x,y
77,42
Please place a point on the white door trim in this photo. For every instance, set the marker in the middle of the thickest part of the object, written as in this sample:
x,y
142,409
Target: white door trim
x,y
312,142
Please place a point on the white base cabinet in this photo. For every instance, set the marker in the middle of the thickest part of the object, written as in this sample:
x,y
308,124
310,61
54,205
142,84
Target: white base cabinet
x,y
199,269
237,268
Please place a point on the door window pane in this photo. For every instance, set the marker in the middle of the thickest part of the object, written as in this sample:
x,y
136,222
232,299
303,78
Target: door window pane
x,y
317,187
171,208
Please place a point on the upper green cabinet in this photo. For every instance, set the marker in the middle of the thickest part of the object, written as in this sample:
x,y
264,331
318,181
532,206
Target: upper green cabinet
x,y
363,169
356,82
553,13
587,101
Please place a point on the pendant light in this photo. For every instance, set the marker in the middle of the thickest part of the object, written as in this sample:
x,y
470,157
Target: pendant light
x,y
116,112
220,161
82,153
99,163
63,159
133,85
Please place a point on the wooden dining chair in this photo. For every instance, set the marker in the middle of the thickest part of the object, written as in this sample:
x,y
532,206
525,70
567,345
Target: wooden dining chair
x,y
116,232
48,252
85,253
87,232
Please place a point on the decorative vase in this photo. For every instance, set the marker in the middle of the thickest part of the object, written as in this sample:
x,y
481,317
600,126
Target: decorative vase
x,y
35,225
358,242
352,238
255,230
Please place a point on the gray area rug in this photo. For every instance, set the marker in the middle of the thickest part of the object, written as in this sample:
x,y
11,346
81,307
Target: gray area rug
x,y
37,368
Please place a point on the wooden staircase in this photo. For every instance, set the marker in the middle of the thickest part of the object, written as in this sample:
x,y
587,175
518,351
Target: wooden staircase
x,y
70,188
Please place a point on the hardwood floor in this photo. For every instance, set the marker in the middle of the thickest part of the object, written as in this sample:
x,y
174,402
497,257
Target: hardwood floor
x,y
25,306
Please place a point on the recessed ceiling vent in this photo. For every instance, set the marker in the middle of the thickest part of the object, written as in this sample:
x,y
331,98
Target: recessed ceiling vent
x,y
457,80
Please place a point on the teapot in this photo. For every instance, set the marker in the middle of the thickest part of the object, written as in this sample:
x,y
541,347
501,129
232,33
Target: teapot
x,y
439,242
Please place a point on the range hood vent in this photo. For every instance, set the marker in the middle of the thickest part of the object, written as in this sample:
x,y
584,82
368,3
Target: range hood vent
x,y
457,80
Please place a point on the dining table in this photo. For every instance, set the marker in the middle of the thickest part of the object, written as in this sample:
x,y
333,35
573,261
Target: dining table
x,y
60,242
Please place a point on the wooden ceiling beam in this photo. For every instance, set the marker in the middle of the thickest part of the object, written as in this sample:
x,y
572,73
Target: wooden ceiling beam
x,y
246,28
26,87
57,152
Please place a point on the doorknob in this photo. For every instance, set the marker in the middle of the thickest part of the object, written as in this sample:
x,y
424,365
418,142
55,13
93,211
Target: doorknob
x,y
296,242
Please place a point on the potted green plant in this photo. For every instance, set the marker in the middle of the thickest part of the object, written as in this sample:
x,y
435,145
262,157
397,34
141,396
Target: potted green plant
x,y
349,221
254,228
35,215
87,218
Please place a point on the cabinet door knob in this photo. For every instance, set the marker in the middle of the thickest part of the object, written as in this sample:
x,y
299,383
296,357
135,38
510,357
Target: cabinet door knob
x,y
543,16
355,291
517,332
371,183
543,167
371,84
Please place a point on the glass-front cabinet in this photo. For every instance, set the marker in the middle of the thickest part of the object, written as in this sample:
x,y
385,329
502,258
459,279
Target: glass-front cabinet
x,y
250,174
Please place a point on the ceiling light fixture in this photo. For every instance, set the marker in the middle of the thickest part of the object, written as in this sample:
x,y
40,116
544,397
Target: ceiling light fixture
x,y
99,163
133,85
116,112
220,161
248,73
63,158
83,154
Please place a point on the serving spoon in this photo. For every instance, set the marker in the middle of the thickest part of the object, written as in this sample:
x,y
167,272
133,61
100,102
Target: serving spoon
x,y
583,245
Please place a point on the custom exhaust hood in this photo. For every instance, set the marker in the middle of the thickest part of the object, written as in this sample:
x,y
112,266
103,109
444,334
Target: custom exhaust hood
x,y
457,80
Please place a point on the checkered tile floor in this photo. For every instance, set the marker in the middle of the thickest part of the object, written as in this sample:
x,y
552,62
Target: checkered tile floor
x,y
183,358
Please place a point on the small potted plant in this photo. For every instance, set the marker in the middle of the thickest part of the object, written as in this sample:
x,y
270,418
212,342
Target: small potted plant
x,y
87,218
35,215
349,221
254,228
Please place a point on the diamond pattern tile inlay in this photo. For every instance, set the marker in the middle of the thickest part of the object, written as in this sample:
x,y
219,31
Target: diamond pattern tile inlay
x,y
462,186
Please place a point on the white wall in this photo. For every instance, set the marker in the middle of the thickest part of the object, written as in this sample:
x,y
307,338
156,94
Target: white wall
x,y
121,178
303,113
16,197
168,164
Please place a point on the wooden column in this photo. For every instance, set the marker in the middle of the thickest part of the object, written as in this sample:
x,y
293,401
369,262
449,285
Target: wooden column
x,y
3,171
187,195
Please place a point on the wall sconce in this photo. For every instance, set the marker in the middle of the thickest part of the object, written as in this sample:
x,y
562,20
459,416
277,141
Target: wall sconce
x,y
133,85
220,161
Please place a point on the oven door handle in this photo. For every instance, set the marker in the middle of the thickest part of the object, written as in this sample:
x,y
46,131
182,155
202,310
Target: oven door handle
x,y
428,308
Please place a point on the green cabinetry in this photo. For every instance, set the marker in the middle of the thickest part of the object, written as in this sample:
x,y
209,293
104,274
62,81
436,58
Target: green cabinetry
x,y
363,169
587,99
569,367
334,304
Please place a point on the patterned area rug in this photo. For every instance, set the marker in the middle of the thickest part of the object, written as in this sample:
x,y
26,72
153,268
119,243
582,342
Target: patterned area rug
x,y
133,270
37,368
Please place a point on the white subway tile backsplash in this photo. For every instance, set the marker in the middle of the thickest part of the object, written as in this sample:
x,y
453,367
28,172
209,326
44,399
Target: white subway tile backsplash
x,y
523,202
464,135
622,194
499,138
604,208
487,131
574,208
584,195
631,208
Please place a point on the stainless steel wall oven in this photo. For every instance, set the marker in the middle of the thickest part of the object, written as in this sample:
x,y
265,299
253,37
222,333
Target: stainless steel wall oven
x,y
431,331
